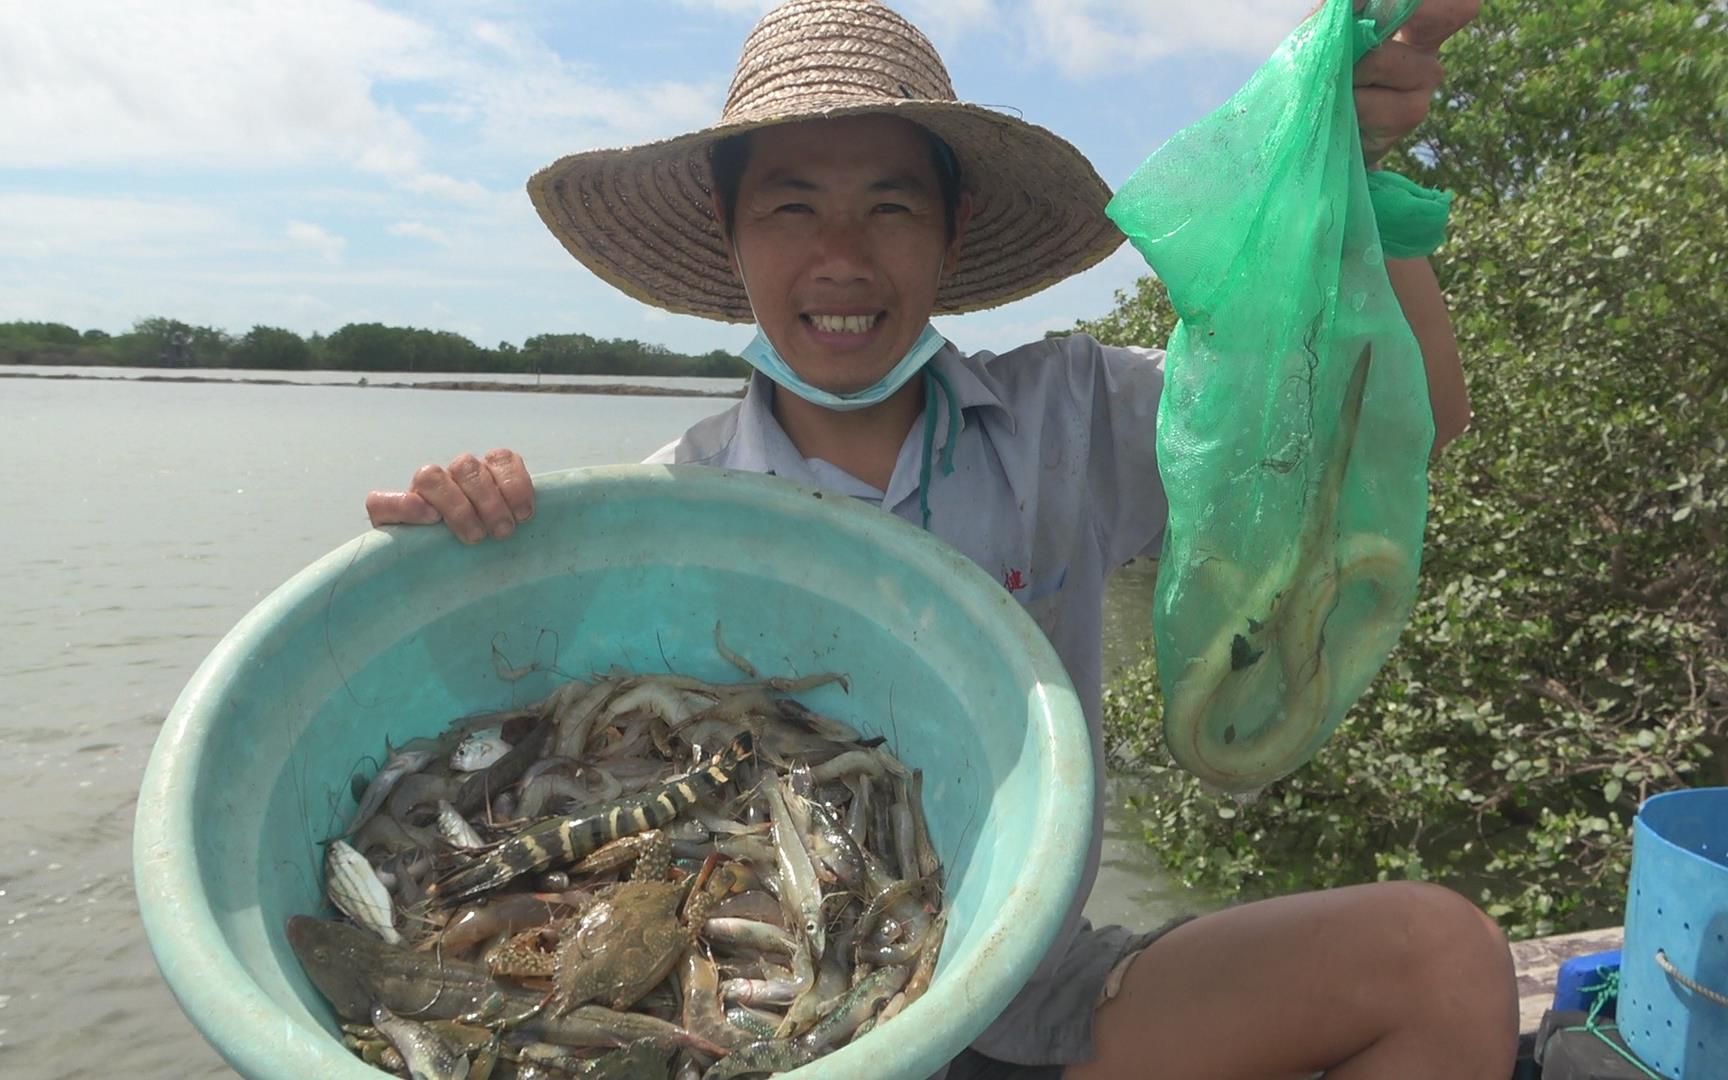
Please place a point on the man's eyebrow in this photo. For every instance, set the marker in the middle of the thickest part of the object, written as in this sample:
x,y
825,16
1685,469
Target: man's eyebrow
x,y
785,180
908,182
780,178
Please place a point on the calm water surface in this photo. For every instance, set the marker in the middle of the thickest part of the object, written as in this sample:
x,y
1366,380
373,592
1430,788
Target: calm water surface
x,y
353,378
142,520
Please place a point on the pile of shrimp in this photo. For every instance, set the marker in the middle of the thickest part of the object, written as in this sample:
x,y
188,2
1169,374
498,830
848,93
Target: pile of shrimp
x,y
754,876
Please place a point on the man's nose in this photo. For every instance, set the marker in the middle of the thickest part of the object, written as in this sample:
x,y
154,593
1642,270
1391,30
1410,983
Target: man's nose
x,y
843,253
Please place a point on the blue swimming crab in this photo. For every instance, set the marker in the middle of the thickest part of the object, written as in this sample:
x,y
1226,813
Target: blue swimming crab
x,y
623,945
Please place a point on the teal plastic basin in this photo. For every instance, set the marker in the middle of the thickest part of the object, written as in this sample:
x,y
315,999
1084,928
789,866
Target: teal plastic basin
x,y
393,635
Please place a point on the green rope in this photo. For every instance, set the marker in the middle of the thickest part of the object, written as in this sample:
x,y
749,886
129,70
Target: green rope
x,y
1605,991
933,379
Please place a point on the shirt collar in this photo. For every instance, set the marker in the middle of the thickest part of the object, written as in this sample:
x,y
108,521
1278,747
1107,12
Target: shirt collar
x,y
975,387
761,445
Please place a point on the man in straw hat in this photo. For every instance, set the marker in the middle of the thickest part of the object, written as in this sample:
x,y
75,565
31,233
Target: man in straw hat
x,y
843,199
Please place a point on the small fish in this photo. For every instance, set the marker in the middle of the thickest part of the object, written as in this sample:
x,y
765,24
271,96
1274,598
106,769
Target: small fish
x,y
800,893
833,848
479,749
355,890
924,852
428,1056
756,1025
750,934
454,828
641,1060
401,764
870,993
929,951
767,1056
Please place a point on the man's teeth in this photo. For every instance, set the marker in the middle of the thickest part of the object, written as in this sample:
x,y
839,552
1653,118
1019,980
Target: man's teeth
x,y
843,324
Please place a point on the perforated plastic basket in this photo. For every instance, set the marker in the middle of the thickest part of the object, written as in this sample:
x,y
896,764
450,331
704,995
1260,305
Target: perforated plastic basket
x,y
1674,964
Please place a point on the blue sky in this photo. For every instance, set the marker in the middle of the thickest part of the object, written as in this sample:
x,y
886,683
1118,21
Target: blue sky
x,y
316,162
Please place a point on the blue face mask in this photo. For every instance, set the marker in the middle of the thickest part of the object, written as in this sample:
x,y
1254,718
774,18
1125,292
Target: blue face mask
x,y
765,358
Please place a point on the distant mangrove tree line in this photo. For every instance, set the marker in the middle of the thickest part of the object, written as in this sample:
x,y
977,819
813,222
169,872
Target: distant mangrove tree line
x,y
160,342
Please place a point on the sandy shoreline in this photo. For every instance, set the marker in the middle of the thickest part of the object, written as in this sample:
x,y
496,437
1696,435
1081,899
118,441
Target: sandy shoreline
x,y
612,389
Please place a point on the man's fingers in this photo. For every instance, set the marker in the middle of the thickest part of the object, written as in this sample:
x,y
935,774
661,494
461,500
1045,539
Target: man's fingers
x,y
1436,20
475,479
511,475
1387,117
1395,85
436,486
1390,114
474,498
1397,66
399,508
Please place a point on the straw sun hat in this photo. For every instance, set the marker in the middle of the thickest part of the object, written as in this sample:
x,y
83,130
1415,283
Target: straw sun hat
x,y
642,218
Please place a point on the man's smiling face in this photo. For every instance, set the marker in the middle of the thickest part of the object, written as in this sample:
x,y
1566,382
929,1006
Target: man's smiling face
x,y
841,232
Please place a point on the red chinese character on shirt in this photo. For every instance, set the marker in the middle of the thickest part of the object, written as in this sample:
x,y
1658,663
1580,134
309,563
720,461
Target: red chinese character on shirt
x,y
1013,581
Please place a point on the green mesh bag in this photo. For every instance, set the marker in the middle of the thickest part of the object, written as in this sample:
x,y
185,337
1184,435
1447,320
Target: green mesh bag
x,y
1295,427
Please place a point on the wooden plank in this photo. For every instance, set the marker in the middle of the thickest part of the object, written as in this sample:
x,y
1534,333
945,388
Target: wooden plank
x,y
1538,965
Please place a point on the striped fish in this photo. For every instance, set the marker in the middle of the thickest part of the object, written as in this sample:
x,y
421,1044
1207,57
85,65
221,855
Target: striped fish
x,y
559,840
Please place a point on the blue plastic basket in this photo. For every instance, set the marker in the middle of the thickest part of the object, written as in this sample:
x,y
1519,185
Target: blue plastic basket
x,y
1674,961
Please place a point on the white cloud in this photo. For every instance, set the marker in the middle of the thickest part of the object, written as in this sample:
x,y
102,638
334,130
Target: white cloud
x,y
50,226
523,98
253,85
206,82
420,231
447,187
1089,38
316,238
927,15
731,7
952,22
1098,37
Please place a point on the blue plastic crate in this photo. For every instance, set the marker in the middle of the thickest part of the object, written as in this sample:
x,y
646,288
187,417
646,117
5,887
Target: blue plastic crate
x,y
1572,991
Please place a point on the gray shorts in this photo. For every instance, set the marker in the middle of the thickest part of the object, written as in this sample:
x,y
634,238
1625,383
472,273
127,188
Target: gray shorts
x,y
1048,1026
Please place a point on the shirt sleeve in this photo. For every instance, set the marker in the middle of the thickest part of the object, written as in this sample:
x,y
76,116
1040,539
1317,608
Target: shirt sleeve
x,y
1118,388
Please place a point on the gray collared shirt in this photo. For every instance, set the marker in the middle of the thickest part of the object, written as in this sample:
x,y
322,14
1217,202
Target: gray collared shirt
x,y
1055,485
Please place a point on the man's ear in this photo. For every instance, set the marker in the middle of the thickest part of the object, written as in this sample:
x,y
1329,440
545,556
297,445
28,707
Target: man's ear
x,y
962,218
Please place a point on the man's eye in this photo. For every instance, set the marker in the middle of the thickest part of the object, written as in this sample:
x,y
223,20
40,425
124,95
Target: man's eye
x,y
891,208
792,208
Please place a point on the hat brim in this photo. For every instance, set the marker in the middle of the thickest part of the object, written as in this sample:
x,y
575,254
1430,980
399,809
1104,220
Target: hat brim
x,y
642,218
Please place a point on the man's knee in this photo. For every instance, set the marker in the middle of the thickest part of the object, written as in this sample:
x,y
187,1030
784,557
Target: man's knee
x,y
1450,940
